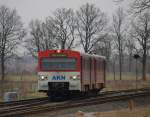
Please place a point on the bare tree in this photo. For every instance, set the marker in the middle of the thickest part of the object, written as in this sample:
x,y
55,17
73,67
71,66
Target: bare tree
x,y
91,23
141,32
55,32
11,32
118,30
64,21
139,6
43,37
130,46
33,44
104,47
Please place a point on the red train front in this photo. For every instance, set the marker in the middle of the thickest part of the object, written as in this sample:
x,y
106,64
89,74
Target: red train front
x,y
63,73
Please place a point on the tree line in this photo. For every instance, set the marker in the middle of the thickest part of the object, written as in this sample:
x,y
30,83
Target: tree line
x,y
88,28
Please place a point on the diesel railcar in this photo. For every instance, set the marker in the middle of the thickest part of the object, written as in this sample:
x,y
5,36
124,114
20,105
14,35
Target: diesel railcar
x,y
67,72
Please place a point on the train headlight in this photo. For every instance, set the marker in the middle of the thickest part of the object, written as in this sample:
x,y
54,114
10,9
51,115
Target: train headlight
x,y
74,77
42,77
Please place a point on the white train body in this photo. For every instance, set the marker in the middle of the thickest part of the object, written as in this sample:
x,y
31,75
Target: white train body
x,y
59,77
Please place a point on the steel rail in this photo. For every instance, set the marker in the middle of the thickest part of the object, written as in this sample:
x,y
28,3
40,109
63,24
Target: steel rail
x,y
21,102
76,103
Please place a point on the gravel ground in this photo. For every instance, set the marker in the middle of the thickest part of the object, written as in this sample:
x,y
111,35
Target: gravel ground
x,y
110,106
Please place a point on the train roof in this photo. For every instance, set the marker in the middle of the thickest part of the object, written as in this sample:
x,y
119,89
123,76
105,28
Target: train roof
x,y
93,55
82,54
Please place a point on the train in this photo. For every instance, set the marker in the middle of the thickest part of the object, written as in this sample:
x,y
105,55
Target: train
x,y
65,73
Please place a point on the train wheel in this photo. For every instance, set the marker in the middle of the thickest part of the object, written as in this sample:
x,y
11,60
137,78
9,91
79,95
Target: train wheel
x,y
95,92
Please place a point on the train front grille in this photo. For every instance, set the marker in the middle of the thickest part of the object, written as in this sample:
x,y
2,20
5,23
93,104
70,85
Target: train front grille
x,y
58,86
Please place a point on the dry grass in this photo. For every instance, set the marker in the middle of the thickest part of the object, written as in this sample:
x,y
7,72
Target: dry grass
x,y
125,76
138,112
128,82
23,77
34,95
25,89
110,76
125,84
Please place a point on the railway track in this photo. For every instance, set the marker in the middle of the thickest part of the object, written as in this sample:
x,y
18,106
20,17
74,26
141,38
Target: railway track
x,y
21,102
31,108
30,101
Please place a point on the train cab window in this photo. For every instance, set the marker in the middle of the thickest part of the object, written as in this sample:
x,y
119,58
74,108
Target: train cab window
x,y
58,64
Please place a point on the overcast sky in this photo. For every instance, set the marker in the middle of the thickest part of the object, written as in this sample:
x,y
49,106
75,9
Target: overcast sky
x,y
39,9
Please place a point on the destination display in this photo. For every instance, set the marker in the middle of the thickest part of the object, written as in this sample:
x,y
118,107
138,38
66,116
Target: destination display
x,y
58,55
